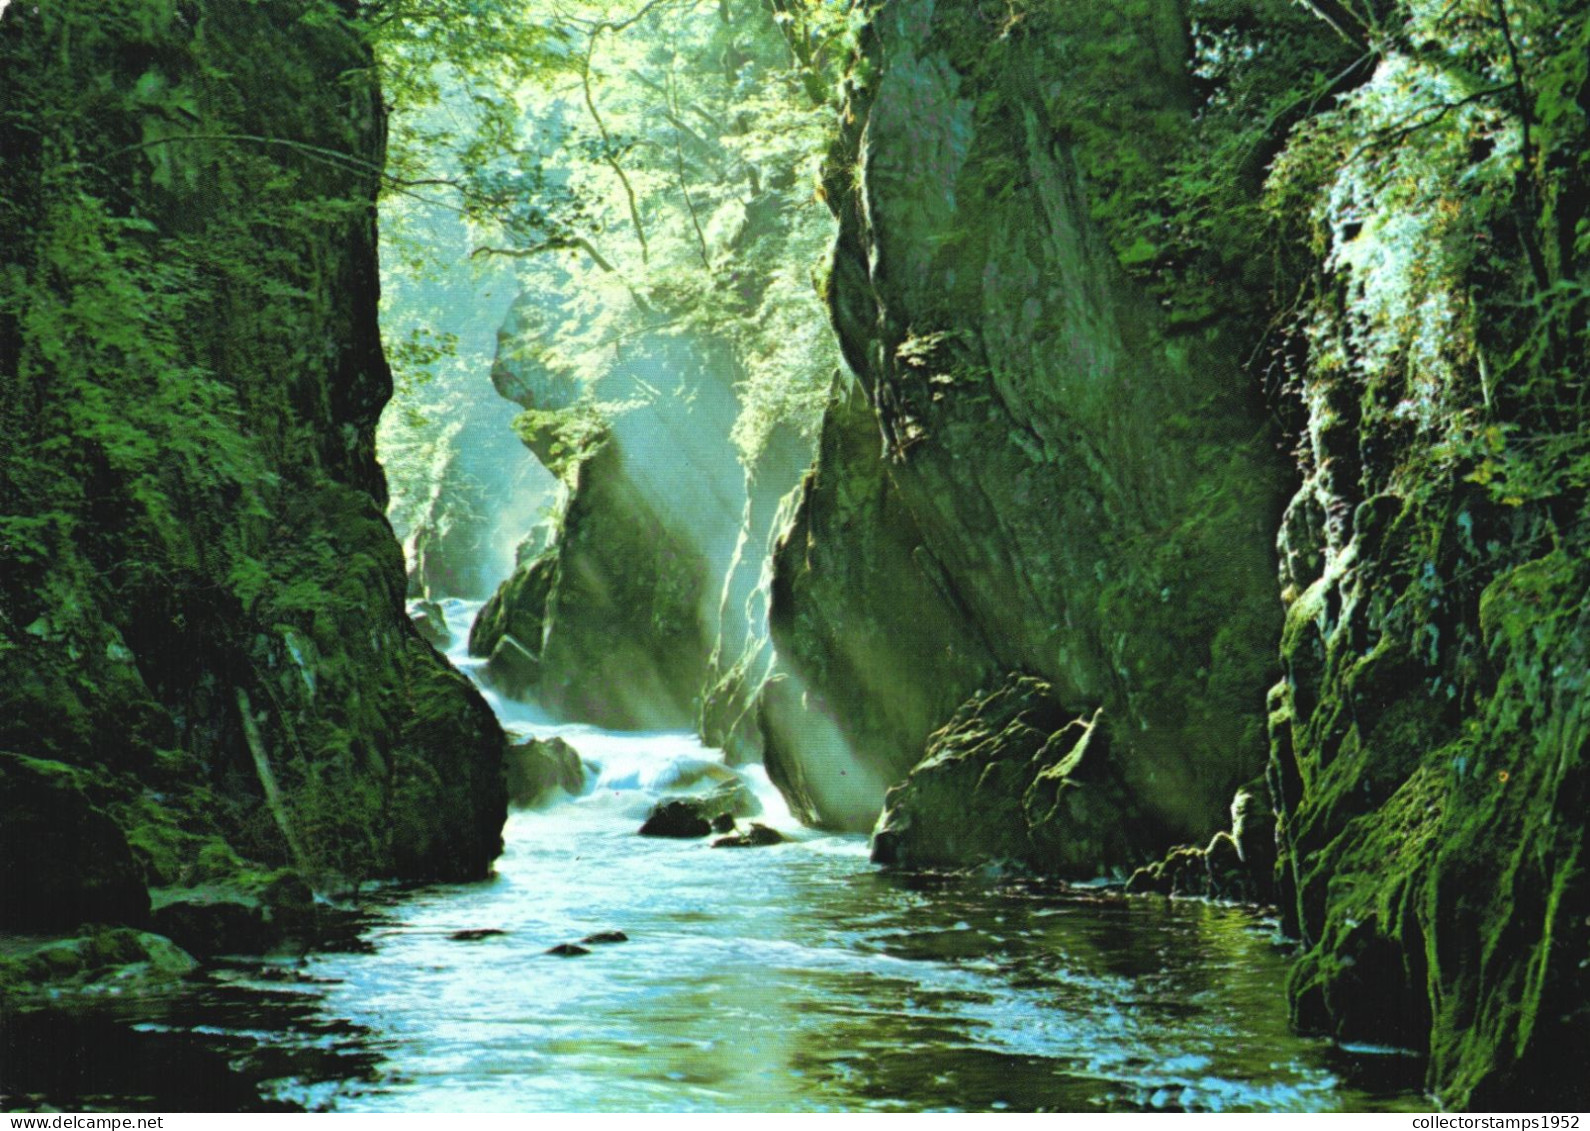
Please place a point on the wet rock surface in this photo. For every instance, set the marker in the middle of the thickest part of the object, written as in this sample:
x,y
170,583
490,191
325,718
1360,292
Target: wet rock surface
x,y
540,770
1012,780
755,835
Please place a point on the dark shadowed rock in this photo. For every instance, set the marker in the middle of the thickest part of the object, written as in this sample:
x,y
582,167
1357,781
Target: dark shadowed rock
x,y
1013,780
218,922
694,815
476,934
538,768
568,950
604,938
755,836
63,861
681,817
252,915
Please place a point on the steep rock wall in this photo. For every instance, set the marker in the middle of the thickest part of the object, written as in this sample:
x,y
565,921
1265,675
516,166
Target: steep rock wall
x,y
1430,732
742,655
1089,488
201,606
873,647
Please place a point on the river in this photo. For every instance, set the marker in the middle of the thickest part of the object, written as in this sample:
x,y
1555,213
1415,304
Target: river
x,y
792,977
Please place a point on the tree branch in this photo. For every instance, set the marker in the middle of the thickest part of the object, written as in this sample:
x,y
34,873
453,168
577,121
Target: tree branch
x,y
559,243
607,140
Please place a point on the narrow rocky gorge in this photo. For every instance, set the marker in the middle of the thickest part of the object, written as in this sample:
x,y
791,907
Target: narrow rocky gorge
x,y
1173,475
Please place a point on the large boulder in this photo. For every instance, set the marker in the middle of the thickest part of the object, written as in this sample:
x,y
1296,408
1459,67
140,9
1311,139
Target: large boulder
x,y
698,814
1011,780
539,769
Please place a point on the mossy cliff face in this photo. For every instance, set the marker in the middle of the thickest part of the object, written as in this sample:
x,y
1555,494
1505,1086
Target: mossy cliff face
x,y
1086,486
201,607
1430,731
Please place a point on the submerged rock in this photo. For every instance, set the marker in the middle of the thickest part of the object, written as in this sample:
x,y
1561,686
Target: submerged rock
x,y
719,788
476,934
1012,780
605,938
697,815
568,950
756,835
539,768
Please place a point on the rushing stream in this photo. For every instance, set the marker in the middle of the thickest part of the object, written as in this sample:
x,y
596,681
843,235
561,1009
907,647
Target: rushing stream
x,y
789,977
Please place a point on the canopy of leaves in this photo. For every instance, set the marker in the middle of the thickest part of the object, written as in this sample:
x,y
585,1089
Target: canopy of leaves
x,y
648,167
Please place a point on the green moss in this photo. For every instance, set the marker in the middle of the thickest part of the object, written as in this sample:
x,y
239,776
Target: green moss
x,y
193,369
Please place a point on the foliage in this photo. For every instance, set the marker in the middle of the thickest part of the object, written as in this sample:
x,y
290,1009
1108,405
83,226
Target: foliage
x,y
1446,196
652,163
190,376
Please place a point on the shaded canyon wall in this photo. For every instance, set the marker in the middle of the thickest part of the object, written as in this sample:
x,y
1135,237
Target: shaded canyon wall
x,y
1079,490
205,668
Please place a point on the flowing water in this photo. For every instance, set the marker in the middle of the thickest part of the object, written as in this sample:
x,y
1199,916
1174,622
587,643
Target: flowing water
x,y
789,977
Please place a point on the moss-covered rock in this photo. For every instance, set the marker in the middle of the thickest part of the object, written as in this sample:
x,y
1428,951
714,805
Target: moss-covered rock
x,y
246,913
1429,734
1012,780
63,860
539,769
200,600
110,960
